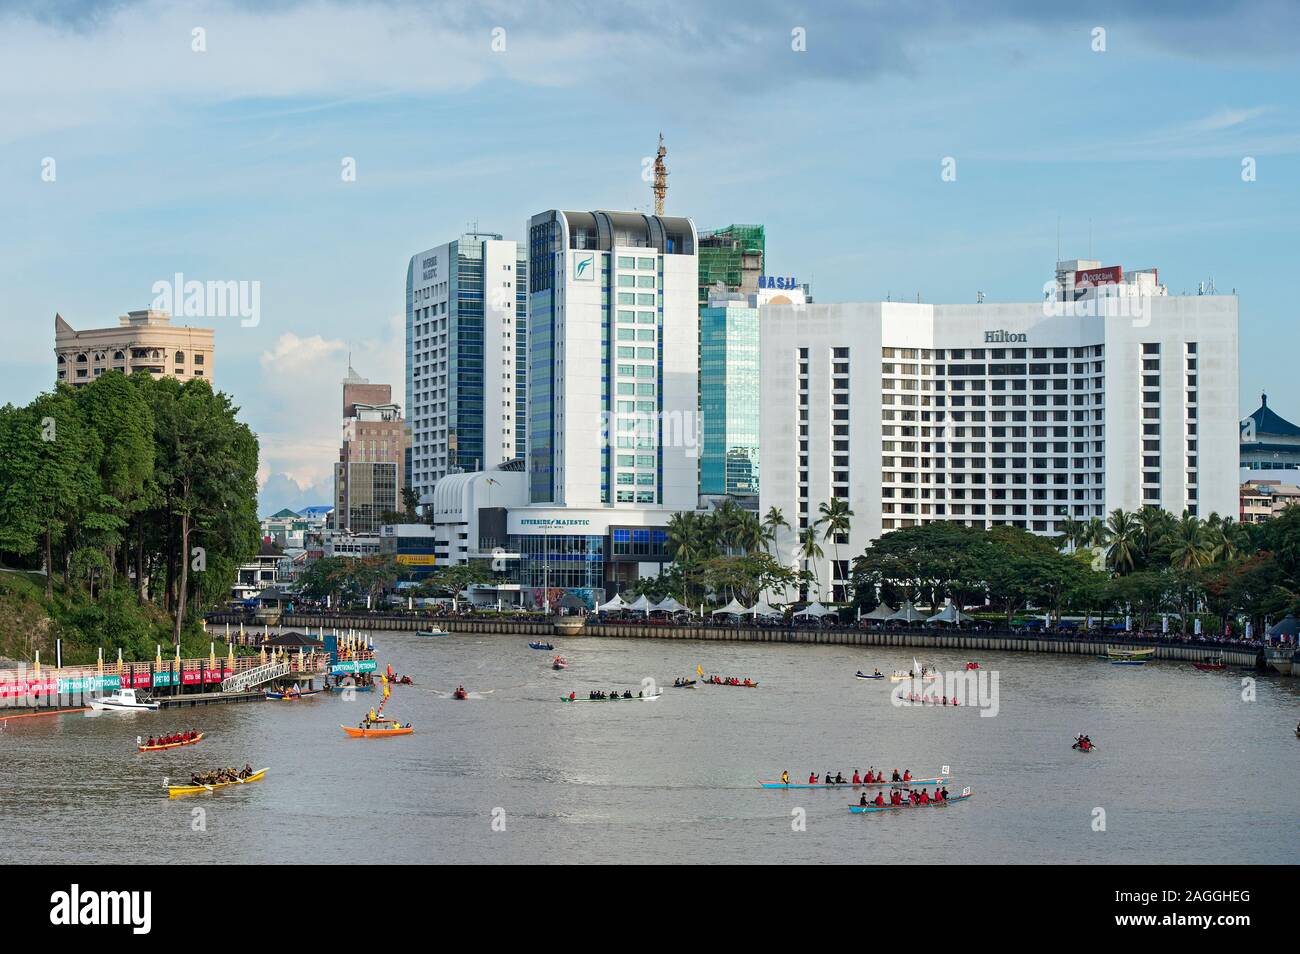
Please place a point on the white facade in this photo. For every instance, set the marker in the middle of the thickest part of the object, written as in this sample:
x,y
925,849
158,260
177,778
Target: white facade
x,y
454,510
613,361
465,357
991,414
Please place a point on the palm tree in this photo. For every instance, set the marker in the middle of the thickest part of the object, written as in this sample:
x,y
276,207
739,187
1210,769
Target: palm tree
x,y
724,523
686,542
1191,544
747,532
774,523
1071,532
1095,533
1122,535
1154,526
811,551
1224,535
836,516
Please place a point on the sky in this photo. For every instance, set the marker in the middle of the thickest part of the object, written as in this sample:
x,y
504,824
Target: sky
x,y
143,139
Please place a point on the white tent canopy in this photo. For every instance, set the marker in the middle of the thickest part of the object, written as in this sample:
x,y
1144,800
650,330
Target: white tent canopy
x,y
733,608
667,605
907,613
949,614
883,611
642,604
814,609
761,608
617,603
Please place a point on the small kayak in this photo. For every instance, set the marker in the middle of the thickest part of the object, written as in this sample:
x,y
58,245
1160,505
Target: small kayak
x,y
1079,748
547,647
688,684
460,694
175,790
376,732
862,675
910,783
863,809
560,663
170,745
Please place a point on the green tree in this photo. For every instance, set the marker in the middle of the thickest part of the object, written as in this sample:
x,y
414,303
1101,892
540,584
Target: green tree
x,y
1122,536
836,518
773,523
810,550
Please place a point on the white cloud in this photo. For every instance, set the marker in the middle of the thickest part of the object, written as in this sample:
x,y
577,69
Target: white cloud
x,y
298,417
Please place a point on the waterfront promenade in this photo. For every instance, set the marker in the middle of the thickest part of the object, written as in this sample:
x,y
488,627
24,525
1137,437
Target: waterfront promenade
x,y
1171,647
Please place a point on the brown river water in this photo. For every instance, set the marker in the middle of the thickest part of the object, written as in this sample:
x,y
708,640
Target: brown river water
x,y
1190,766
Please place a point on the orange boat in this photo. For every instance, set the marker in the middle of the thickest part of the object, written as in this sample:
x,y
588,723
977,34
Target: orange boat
x,y
170,745
393,728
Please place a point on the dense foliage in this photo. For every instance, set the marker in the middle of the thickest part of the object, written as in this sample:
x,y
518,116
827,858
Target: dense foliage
x,y
1143,564
130,491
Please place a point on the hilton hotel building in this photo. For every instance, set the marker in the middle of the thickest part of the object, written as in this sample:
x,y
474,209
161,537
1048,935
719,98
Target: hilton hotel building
x,y
1107,394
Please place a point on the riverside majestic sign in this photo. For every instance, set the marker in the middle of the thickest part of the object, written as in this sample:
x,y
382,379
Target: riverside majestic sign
x,y
1005,337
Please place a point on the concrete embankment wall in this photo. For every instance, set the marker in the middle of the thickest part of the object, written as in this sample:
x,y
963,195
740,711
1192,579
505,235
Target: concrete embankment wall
x,y
920,638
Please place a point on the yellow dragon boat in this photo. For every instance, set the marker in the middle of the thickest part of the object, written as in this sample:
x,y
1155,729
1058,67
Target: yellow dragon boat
x,y
174,790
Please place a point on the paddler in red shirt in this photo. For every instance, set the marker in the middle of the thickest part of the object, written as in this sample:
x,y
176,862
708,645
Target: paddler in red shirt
x,y
856,779
812,778
925,797
880,798
907,775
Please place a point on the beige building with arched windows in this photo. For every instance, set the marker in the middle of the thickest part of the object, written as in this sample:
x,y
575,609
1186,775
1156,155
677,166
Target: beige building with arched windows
x,y
142,341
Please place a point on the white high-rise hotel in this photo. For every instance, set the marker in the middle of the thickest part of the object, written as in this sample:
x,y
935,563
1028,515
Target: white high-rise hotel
x,y
1108,394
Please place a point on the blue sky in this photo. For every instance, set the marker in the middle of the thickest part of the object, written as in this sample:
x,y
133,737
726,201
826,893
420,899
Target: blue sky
x,y
225,164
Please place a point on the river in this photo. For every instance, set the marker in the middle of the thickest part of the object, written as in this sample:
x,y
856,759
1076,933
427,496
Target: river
x,y
1186,769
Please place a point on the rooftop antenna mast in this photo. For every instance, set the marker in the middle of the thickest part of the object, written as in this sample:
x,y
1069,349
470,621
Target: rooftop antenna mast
x,y
661,177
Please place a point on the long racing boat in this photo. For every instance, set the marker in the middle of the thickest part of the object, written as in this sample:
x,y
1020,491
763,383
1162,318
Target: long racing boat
x,y
910,783
863,809
175,790
169,745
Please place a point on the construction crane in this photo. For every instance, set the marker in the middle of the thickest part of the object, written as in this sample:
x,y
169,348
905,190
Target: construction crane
x,y
661,177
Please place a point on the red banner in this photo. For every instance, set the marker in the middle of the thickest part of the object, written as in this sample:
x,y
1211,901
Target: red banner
x,y
1110,275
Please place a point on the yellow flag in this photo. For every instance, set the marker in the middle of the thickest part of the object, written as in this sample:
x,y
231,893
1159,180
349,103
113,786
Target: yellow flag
x,y
699,670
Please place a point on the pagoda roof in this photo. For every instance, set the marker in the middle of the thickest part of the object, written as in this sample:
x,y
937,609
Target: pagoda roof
x,y
1271,423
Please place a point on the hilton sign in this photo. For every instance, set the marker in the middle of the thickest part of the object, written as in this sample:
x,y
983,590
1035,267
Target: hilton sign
x,y
1004,337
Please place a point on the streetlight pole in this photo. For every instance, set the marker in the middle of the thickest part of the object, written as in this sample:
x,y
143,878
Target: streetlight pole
x,y
546,566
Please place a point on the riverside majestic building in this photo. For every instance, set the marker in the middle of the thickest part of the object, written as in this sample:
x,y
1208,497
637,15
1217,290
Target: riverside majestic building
x,y
1107,394
613,433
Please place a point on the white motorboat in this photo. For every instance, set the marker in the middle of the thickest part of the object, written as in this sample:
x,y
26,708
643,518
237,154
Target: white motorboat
x,y
124,700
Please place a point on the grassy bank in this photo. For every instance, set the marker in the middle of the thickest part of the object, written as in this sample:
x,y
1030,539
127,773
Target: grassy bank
x,y
29,622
